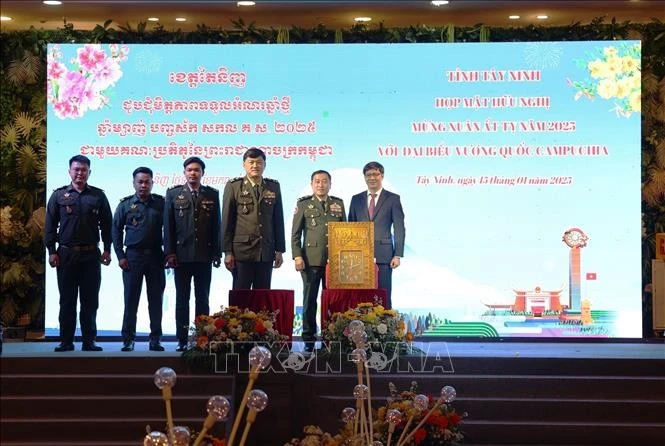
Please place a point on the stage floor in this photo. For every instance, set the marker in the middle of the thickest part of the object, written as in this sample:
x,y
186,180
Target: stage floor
x,y
638,349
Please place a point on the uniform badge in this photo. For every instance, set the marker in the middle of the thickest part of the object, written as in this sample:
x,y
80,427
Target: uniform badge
x,y
134,222
245,193
67,194
244,209
69,209
133,206
181,214
313,222
181,197
310,206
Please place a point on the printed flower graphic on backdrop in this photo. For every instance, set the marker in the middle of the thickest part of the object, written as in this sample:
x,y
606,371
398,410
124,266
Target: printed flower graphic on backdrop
x,y
615,73
86,84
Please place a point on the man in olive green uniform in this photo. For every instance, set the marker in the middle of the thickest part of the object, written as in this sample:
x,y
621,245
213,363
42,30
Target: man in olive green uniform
x,y
309,245
192,244
253,237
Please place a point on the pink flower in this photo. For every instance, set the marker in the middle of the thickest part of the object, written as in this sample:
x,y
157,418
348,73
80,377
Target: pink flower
x,y
55,69
90,56
106,74
65,109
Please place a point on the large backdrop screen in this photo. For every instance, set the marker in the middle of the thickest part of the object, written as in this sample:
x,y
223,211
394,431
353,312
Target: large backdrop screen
x,y
518,164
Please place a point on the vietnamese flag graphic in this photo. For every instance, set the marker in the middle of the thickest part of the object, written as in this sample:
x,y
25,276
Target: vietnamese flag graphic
x,y
590,276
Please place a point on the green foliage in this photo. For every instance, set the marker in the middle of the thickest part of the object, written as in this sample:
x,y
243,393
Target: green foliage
x,y
22,79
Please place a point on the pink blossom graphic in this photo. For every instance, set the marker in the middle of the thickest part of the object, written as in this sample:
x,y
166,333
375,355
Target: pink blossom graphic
x,y
85,85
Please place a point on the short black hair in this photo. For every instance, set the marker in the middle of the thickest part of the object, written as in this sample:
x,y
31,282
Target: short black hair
x,y
373,165
142,170
194,159
253,152
316,172
79,159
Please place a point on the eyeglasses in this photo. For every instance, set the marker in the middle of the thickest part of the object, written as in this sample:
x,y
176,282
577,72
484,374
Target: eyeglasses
x,y
372,175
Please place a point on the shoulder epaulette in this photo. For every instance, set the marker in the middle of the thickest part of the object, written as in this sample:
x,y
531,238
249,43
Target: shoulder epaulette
x,y
271,180
175,187
211,188
61,188
157,197
235,179
126,198
306,197
332,197
96,188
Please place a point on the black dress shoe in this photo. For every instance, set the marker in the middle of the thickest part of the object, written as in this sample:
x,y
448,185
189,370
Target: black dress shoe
x,y
91,347
309,347
182,346
155,346
64,347
127,346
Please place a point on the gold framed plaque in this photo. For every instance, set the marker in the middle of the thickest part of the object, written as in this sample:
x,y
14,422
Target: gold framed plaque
x,y
351,255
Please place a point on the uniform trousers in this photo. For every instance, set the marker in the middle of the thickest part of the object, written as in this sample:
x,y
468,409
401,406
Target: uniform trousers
x,y
79,275
312,276
183,274
253,275
386,281
149,264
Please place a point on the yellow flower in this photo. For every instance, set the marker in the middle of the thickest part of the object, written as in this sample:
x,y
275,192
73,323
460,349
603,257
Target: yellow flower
x,y
610,51
607,88
629,65
635,101
233,322
598,69
248,315
267,324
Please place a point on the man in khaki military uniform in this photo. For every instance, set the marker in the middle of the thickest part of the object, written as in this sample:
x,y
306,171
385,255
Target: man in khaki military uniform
x,y
309,245
253,237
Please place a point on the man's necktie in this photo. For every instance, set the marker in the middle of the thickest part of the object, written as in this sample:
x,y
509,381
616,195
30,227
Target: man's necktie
x,y
372,205
195,195
256,192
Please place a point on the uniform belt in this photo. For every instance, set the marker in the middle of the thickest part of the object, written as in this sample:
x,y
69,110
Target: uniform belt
x,y
81,247
146,250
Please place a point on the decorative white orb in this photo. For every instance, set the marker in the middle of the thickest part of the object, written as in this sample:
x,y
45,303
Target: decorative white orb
x,y
257,400
181,435
360,392
359,355
421,402
165,377
260,356
219,407
348,414
156,438
394,416
448,393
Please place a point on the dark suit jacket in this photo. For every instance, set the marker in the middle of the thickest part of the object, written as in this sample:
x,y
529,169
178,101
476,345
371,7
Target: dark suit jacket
x,y
388,218
192,230
253,230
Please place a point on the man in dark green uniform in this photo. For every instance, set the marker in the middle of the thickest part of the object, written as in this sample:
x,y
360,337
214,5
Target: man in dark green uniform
x,y
253,225
192,242
75,216
137,224
309,245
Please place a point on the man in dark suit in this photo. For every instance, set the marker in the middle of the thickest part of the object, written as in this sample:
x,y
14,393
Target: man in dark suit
x,y
253,237
76,215
137,225
385,210
192,221
309,245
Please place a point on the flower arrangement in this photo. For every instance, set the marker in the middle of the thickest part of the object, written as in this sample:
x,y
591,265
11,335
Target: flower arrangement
x,y
615,73
439,423
234,329
381,326
85,86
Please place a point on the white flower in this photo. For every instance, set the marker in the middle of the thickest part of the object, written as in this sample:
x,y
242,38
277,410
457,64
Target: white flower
x,y
382,328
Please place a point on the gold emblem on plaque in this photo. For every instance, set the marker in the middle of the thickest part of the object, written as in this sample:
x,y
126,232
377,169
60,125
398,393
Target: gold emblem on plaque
x,y
351,255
